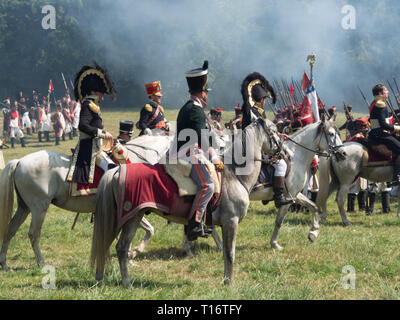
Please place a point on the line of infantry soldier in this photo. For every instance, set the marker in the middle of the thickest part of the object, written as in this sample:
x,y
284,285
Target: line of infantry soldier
x,y
28,116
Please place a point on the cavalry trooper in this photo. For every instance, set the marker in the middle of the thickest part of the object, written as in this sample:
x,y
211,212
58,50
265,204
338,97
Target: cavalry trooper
x,y
152,114
255,91
125,131
350,124
381,131
193,142
90,85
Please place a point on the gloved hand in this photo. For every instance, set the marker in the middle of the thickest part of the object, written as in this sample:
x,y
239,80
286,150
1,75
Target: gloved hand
x,y
219,165
396,128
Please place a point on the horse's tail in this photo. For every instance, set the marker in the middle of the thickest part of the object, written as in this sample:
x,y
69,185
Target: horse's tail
x,y
6,197
105,221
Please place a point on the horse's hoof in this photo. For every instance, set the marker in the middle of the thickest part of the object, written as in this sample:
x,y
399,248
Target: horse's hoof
x,y
127,285
347,223
227,281
312,236
4,267
132,254
276,246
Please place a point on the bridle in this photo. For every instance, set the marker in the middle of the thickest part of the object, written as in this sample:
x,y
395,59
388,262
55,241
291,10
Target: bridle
x,y
331,150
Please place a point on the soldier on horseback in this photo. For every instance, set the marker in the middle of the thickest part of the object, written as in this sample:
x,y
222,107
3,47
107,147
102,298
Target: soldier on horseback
x,y
255,90
91,83
382,132
152,114
192,116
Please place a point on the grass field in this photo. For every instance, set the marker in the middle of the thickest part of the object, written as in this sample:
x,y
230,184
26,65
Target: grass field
x,y
303,270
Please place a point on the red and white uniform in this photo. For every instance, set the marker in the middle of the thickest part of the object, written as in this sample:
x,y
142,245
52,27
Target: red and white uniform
x,y
15,125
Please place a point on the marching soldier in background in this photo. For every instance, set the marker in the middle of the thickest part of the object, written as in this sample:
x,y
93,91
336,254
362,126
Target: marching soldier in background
x,y
125,131
349,125
58,123
26,121
6,114
215,116
75,122
235,123
68,121
152,114
15,126
91,83
33,118
42,118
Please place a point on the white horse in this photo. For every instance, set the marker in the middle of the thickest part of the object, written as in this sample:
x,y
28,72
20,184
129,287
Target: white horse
x,y
315,138
343,174
232,208
39,180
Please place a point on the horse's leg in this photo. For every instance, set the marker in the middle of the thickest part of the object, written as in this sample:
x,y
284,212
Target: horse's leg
x,y
304,201
127,234
340,199
216,238
187,245
278,222
34,234
229,231
20,216
144,224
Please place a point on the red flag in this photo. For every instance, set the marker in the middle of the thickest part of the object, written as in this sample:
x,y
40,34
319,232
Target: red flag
x,y
305,82
51,88
292,90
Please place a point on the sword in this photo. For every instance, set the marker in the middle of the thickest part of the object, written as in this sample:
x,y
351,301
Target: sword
x,y
365,99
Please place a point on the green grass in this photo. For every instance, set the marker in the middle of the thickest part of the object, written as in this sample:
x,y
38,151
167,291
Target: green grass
x,y
303,270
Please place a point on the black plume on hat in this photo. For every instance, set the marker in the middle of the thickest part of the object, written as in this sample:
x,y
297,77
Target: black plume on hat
x,y
93,79
253,88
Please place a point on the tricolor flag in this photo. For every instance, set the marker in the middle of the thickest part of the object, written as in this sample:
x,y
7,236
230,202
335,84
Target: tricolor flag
x,y
305,81
313,99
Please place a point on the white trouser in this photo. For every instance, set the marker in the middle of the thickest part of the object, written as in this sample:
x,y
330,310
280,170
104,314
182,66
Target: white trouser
x,y
26,122
105,160
16,131
280,168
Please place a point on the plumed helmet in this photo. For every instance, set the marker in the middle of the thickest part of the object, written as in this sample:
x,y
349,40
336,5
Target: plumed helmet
x,y
254,88
92,79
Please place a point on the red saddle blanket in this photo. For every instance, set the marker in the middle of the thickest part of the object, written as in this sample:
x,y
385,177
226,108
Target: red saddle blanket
x,y
374,157
81,190
149,186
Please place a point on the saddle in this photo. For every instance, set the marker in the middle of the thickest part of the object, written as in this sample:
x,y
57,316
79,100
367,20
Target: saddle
x,y
180,173
375,155
266,175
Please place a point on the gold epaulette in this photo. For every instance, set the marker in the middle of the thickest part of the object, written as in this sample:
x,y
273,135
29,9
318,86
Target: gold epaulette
x,y
380,104
148,107
162,109
94,107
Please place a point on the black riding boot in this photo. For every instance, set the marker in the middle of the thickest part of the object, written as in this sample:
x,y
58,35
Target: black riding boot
x,y
12,142
351,197
194,230
370,204
313,197
279,198
385,201
361,197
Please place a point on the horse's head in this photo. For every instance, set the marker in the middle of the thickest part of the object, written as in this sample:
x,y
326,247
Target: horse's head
x,y
328,137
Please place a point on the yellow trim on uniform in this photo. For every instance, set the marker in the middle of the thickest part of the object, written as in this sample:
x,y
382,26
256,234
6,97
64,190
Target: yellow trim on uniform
x,y
94,107
380,104
148,107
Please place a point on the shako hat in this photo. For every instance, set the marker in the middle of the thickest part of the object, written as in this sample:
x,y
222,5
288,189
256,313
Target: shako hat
x,y
153,88
92,79
126,127
197,79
